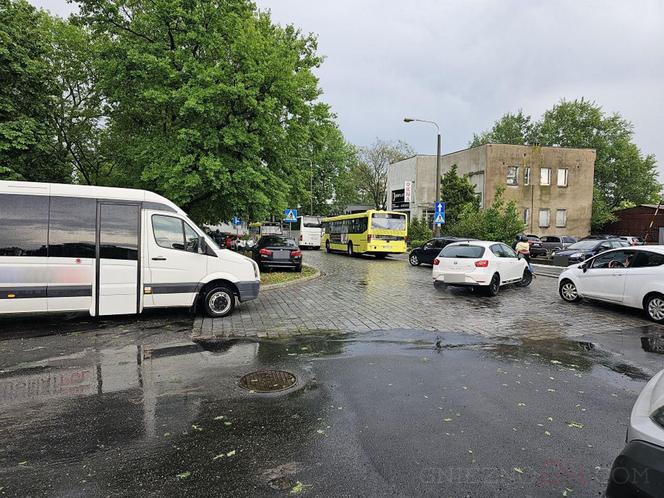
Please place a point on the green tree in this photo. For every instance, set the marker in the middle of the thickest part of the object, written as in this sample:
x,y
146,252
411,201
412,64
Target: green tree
x,y
515,129
419,231
458,192
77,116
28,91
500,221
210,104
623,175
371,170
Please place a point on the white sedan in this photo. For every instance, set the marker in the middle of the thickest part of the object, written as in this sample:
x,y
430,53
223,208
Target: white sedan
x,y
483,264
631,277
639,469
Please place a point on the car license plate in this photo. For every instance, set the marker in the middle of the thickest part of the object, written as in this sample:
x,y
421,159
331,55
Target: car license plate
x,y
454,278
282,255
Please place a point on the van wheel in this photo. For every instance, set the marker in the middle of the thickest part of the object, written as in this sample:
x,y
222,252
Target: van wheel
x,y
350,249
494,286
327,247
655,308
219,301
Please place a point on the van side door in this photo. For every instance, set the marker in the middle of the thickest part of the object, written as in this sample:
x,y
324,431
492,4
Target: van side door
x,y
176,260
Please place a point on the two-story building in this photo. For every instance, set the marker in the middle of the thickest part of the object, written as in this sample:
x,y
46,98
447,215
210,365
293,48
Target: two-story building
x,y
552,186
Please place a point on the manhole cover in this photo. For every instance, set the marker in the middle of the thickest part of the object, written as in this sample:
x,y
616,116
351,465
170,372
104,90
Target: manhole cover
x,y
265,381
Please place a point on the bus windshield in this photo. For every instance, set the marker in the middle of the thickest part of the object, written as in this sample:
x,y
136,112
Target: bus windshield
x,y
386,221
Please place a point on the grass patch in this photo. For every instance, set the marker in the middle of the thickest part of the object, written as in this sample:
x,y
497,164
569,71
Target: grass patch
x,y
278,277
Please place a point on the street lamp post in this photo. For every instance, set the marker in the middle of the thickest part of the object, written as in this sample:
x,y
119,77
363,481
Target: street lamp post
x,y
436,228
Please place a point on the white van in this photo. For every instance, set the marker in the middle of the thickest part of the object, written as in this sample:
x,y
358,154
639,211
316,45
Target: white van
x,y
110,251
308,231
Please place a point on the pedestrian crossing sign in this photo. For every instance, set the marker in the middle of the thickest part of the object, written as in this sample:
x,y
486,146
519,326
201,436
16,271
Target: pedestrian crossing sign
x,y
290,215
439,213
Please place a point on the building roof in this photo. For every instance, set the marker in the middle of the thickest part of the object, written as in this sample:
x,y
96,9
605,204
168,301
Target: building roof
x,y
483,145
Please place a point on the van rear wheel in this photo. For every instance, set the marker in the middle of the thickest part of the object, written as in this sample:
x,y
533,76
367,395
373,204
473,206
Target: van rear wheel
x,y
219,301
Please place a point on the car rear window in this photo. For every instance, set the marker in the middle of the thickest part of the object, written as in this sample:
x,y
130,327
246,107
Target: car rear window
x,y
647,258
277,242
462,251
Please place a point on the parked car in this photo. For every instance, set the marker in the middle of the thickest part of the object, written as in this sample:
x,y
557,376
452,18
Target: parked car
x,y
600,237
632,276
536,248
427,252
483,264
639,469
275,251
584,249
632,240
557,242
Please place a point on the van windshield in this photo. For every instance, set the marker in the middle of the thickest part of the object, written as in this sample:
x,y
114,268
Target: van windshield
x,y
452,251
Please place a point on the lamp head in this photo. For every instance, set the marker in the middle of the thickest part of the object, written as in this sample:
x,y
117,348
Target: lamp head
x,y
408,120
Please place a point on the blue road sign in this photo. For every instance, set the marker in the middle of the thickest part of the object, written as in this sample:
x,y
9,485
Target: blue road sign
x,y
290,215
237,221
439,213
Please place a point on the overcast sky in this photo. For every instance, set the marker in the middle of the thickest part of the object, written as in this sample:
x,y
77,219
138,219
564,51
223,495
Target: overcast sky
x,y
465,63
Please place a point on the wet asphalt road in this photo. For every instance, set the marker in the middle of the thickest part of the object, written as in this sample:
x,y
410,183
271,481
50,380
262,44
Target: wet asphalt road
x,y
374,414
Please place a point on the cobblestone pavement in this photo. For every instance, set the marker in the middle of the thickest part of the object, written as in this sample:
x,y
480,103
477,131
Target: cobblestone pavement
x,y
363,293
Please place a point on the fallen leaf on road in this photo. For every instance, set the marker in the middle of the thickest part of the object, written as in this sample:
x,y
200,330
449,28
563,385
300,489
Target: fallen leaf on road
x,y
230,453
220,417
547,433
24,462
184,475
228,423
575,425
299,488
521,404
447,419
556,362
517,469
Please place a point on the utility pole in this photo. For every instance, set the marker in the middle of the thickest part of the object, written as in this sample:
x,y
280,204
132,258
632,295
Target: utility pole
x,y
436,228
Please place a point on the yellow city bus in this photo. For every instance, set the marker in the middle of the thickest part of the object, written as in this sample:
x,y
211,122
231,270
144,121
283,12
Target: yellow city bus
x,y
373,232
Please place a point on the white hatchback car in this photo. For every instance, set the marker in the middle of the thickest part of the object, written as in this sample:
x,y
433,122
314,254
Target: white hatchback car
x,y
483,264
631,277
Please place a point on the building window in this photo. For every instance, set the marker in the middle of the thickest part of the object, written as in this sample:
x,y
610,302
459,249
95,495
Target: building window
x,y
526,216
545,176
562,177
526,176
544,218
561,218
513,175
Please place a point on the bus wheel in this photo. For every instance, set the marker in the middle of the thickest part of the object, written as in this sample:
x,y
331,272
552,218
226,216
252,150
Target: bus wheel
x,y
350,248
219,301
327,247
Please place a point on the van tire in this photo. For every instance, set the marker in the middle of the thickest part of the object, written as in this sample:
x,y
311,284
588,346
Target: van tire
x,y
219,301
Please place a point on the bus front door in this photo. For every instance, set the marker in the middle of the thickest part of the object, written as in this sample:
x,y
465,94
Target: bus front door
x,y
118,255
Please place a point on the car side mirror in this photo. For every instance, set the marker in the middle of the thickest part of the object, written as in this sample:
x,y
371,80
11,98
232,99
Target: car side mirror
x,y
519,255
584,268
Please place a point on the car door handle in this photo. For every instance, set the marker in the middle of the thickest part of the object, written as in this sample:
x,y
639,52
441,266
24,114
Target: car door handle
x,y
159,258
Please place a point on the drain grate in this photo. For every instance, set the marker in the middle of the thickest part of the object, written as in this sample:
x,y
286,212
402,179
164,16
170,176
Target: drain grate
x,y
265,381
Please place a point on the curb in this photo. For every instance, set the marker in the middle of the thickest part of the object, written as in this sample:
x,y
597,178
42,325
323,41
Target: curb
x,y
281,285
547,270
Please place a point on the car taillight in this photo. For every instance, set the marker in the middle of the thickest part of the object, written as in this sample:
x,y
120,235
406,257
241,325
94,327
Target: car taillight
x,y
265,252
482,263
436,262
296,254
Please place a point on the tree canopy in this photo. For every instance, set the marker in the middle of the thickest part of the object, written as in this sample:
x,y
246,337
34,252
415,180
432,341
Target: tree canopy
x,y
370,173
623,174
459,193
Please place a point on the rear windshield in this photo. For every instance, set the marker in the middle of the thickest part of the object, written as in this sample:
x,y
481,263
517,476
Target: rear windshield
x,y
385,221
277,242
585,244
463,251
